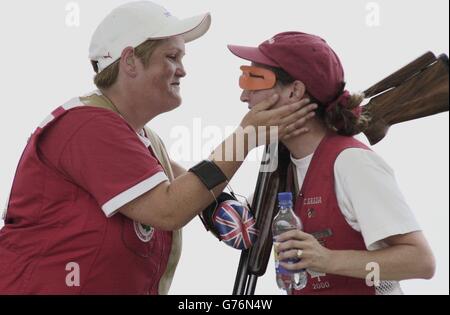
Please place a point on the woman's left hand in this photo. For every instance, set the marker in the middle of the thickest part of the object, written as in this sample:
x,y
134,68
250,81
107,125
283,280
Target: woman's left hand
x,y
296,244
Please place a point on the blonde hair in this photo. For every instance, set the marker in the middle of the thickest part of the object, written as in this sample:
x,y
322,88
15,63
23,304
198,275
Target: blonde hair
x,y
108,76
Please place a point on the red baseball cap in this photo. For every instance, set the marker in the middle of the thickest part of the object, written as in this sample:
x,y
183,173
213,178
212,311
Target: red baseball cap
x,y
305,57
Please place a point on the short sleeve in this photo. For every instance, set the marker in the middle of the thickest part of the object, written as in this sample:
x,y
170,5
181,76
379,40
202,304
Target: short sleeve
x,y
369,197
105,157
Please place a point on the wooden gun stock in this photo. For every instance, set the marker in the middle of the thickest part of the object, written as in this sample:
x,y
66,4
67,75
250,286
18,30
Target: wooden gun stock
x,y
401,75
417,90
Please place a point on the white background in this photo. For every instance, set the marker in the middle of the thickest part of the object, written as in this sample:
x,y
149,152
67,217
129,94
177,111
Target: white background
x,y
44,63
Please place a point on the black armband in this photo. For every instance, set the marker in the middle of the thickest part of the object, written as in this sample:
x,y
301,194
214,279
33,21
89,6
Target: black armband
x,y
209,174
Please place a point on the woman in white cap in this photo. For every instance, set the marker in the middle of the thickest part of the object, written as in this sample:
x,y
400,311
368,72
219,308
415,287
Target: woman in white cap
x,y
347,195
96,204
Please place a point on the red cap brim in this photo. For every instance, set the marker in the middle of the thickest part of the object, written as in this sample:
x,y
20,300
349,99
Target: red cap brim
x,y
252,54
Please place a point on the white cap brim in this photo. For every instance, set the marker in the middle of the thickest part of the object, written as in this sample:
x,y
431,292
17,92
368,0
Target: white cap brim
x,y
190,28
111,37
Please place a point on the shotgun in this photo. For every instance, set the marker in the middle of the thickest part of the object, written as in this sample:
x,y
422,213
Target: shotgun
x,y
419,89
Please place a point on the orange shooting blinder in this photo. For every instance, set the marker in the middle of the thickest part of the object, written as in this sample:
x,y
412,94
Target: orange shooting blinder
x,y
256,78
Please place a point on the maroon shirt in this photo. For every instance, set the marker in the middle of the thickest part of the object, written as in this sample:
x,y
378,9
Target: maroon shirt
x,y
78,168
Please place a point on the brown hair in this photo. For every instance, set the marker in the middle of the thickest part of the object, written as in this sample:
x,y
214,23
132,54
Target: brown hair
x,y
108,76
341,117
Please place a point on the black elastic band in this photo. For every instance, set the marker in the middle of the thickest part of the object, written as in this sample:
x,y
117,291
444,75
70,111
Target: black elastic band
x,y
209,173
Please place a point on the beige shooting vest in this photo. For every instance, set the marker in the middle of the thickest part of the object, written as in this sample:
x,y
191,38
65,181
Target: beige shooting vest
x,y
98,100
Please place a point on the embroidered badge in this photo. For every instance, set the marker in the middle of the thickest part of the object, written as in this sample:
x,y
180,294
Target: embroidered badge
x,y
319,284
313,201
144,232
315,274
311,213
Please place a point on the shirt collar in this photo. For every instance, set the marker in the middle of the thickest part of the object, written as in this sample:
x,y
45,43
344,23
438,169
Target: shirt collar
x,y
303,162
143,138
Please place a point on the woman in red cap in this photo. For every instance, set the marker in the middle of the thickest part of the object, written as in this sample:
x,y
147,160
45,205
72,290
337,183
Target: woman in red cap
x,y
347,194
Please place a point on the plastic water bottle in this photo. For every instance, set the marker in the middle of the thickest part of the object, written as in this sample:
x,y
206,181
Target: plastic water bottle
x,y
284,221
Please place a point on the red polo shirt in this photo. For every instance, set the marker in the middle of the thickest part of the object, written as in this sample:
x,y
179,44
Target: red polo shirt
x,y
62,232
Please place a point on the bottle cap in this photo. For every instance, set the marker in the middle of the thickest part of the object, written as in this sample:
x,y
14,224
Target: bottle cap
x,y
285,197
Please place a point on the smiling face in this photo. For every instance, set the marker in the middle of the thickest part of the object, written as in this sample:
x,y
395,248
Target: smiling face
x,y
158,83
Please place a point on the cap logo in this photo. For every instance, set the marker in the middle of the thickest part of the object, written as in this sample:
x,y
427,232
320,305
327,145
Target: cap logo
x,y
107,56
271,41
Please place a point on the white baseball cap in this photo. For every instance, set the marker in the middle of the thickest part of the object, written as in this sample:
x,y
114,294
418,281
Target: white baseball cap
x,y
131,24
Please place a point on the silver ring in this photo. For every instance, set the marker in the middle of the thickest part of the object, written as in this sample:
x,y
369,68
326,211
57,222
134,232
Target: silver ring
x,y
299,253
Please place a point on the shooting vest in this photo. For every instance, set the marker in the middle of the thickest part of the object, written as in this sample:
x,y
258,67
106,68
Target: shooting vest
x,y
98,100
318,209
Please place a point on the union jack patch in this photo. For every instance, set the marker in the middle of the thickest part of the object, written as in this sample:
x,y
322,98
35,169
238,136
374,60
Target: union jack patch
x,y
235,224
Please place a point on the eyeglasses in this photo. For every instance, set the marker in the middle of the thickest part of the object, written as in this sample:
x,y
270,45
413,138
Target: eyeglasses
x,y
256,78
